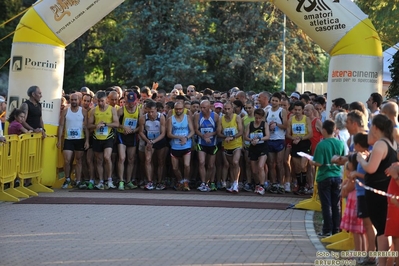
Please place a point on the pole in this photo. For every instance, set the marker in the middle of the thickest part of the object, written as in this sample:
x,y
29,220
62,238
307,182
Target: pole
x,y
283,74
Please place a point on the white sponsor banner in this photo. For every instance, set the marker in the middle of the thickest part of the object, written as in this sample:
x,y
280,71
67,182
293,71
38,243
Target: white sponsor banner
x,y
37,65
325,21
69,19
354,78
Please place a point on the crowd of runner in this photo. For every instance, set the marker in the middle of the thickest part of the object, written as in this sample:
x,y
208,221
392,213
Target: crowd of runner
x,y
236,141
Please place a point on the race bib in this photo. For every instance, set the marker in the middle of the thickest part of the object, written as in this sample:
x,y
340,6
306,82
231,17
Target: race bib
x,y
230,131
178,141
298,129
74,133
131,122
102,131
153,134
256,135
206,130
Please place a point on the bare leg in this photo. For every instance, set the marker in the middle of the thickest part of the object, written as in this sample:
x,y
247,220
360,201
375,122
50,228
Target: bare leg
x,y
78,166
67,162
131,156
261,171
90,163
186,160
201,166
211,167
271,163
121,161
176,170
148,162
99,163
108,161
161,156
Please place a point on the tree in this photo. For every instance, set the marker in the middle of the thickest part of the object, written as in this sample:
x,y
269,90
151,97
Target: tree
x,y
385,17
393,89
9,8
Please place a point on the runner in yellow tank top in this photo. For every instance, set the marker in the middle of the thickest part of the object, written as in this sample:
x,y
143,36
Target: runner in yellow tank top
x,y
127,138
230,130
299,129
102,120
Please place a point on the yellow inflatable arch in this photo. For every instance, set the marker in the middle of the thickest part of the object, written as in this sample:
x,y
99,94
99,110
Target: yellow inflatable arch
x,y
37,56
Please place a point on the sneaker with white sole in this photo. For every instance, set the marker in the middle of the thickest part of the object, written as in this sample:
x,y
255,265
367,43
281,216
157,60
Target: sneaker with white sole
x,y
66,183
160,186
99,186
203,188
110,185
287,187
233,188
149,186
82,185
309,191
261,190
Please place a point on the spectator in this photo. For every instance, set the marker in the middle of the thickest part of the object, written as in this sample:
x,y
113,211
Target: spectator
x,y
33,111
17,117
328,178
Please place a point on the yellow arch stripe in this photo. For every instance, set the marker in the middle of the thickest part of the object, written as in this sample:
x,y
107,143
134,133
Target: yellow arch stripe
x,y
361,40
32,29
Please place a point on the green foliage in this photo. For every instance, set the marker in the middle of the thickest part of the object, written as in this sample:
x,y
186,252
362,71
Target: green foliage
x,y
385,17
209,44
393,89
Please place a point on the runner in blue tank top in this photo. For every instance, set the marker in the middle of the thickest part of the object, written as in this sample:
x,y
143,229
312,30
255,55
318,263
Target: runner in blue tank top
x,y
180,130
205,127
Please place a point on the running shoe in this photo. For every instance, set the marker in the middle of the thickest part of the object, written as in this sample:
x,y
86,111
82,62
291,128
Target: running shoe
x,y
213,187
110,184
261,190
287,187
248,187
274,188
90,186
149,186
309,191
186,186
203,188
130,185
99,186
121,185
160,186
66,183
280,189
233,188
82,185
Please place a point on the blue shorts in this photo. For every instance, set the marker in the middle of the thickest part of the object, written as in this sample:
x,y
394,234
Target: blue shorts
x,y
276,145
